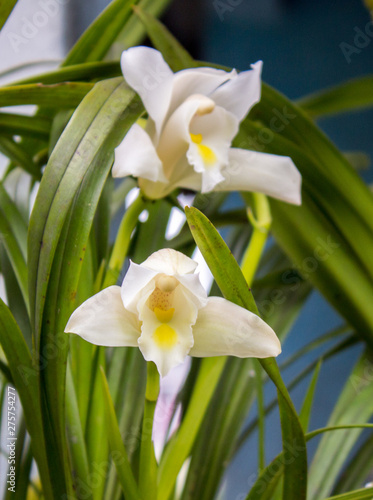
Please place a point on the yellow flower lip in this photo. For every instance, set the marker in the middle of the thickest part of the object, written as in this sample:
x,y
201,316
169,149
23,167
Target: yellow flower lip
x,y
165,337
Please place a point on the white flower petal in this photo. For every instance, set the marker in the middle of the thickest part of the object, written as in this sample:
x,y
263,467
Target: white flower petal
x,y
196,81
225,329
146,71
209,145
171,262
103,320
241,93
136,283
273,175
137,156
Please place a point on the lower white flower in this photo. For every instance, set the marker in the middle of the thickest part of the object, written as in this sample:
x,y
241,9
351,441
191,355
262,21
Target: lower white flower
x,y
163,309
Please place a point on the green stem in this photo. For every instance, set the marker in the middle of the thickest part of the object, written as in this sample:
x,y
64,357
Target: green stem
x,y
261,222
148,464
122,242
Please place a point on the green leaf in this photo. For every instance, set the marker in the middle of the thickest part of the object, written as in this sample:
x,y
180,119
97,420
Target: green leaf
x,y
59,227
363,494
347,96
118,451
19,156
13,232
60,95
76,72
234,288
305,412
354,405
75,153
33,126
5,11
25,377
76,437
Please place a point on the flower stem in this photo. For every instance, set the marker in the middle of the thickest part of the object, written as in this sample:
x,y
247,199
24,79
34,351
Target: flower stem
x,y
261,223
148,463
122,242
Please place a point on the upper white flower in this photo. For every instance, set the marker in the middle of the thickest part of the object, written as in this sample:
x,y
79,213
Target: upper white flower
x,y
194,115
163,309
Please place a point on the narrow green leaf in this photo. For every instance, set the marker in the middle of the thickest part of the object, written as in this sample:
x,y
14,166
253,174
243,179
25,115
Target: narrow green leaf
x,y
13,231
354,405
19,156
134,31
220,259
234,288
25,377
305,412
350,95
76,72
60,95
363,494
76,438
5,11
119,454
33,126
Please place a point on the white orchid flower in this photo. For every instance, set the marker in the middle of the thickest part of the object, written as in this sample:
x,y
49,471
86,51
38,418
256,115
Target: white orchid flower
x,y
194,115
163,309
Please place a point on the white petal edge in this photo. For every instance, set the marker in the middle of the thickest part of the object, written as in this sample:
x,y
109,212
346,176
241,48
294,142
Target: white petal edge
x,y
103,320
137,156
145,70
273,175
135,285
225,329
169,261
241,93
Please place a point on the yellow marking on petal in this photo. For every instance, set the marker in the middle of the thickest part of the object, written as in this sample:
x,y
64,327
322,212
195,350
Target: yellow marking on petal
x,y
196,138
165,337
164,316
207,154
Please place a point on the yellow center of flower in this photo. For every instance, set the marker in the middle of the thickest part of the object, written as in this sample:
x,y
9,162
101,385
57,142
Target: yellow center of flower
x,y
160,302
165,336
206,153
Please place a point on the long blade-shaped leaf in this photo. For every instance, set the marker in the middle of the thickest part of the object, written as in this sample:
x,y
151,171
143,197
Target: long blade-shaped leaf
x,y
5,11
234,287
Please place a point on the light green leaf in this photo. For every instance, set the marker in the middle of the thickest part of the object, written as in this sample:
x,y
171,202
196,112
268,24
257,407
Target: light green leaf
x,y
305,412
5,11
118,451
60,95
347,96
